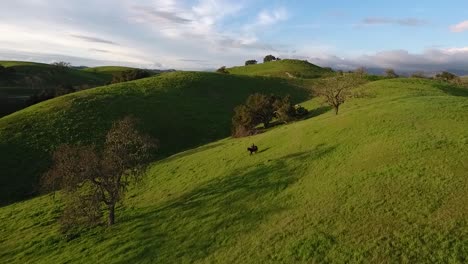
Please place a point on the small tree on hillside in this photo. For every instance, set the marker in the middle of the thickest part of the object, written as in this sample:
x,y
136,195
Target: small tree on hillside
x,y
269,58
336,90
250,62
390,73
222,70
99,179
361,72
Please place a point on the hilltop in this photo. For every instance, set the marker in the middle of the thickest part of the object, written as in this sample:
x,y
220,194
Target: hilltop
x,y
283,68
45,75
28,78
181,109
382,182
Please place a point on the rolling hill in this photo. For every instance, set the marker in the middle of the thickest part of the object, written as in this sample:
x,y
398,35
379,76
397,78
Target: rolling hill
x,y
182,110
108,69
283,68
382,182
49,75
28,78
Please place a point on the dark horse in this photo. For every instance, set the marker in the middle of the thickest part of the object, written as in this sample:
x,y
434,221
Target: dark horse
x,y
253,149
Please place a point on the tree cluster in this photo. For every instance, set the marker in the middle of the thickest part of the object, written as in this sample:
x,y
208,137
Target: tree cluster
x,y
446,76
46,94
269,58
250,62
130,75
94,180
261,109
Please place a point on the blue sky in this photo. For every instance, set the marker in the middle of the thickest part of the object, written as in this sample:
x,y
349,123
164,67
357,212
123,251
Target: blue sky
x,y
205,34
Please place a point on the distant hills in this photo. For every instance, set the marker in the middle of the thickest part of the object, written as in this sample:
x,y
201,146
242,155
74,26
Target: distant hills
x,y
26,79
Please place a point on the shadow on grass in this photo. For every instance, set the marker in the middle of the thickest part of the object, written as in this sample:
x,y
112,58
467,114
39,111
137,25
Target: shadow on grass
x,y
453,90
215,215
192,151
318,111
263,150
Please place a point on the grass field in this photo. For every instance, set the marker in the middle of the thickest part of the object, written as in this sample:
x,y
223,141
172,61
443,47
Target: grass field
x,y
283,68
182,110
382,182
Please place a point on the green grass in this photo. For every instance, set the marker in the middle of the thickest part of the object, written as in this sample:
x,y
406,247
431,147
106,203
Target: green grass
x,y
385,181
182,110
22,63
108,69
283,68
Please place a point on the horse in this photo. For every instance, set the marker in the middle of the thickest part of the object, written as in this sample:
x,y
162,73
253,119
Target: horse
x,y
253,149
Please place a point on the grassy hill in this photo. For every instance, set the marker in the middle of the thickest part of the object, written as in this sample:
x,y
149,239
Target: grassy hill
x,y
282,68
30,77
182,110
382,182
108,69
49,76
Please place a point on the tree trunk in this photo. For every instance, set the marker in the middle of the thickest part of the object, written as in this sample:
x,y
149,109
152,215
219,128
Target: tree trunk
x,y
111,219
336,109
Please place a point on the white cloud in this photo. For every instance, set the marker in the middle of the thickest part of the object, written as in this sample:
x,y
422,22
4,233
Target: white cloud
x,y
460,27
431,60
271,17
409,22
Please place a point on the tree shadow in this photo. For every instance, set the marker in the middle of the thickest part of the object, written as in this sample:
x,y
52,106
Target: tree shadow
x,y
212,216
318,111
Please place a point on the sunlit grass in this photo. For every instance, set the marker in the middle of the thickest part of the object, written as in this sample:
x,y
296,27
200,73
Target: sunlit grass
x,y
385,181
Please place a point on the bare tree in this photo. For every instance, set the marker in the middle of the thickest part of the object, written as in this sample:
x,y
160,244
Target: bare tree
x,y
361,72
337,89
95,179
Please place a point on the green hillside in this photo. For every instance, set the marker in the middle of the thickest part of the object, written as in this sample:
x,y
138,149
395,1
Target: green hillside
x,y
385,181
108,69
48,75
29,78
282,68
182,110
